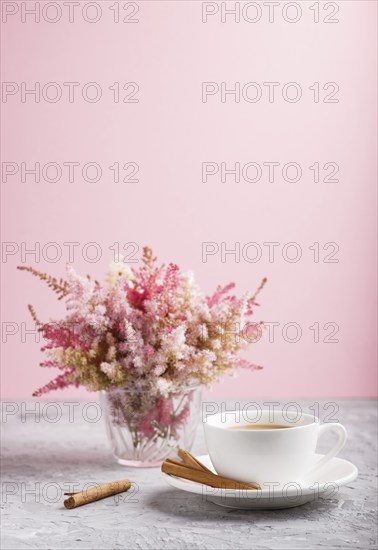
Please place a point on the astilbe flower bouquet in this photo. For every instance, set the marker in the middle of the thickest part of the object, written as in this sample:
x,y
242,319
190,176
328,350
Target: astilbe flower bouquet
x,y
149,331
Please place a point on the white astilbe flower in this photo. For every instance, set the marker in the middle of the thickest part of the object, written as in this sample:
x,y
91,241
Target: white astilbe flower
x,y
173,343
216,344
82,290
164,386
117,270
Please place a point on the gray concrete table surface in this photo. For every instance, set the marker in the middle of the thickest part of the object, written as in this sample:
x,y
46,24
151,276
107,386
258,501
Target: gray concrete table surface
x,y
59,448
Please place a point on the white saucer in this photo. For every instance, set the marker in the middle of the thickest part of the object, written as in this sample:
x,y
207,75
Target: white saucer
x,y
330,478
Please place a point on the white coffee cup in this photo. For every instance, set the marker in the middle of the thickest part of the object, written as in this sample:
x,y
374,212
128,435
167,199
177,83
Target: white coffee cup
x,y
268,455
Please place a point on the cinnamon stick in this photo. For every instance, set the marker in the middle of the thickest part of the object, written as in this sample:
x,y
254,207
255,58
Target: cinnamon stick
x,y
96,493
191,461
171,467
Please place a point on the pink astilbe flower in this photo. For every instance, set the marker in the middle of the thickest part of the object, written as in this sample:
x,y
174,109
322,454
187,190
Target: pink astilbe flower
x,y
243,363
149,330
220,294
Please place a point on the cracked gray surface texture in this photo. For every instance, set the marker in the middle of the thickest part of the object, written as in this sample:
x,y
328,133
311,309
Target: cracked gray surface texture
x,y
41,460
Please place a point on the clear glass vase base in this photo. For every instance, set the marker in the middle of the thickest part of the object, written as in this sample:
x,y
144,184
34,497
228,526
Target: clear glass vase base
x,y
143,437
138,463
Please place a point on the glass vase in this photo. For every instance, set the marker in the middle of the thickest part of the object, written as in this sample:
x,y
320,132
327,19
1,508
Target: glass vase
x,y
142,431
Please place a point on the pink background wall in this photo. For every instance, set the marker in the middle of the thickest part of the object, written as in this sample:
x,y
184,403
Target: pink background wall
x,y
169,133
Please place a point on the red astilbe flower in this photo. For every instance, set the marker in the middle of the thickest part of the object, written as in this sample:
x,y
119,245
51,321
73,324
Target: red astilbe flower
x,y
59,383
60,336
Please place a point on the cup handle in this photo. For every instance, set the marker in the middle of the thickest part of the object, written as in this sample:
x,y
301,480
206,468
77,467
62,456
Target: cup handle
x,y
342,437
